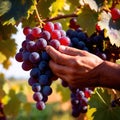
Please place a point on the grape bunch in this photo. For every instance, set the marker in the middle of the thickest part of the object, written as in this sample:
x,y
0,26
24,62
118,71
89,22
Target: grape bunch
x,y
79,100
35,59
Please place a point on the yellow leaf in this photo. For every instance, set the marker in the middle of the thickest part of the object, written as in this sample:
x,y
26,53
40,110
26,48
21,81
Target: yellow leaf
x,y
2,58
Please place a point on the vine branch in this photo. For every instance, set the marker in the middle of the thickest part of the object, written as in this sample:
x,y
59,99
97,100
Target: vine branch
x,y
60,17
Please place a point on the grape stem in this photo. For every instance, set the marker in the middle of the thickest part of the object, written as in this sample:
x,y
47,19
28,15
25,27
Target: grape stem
x,y
61,17
39,18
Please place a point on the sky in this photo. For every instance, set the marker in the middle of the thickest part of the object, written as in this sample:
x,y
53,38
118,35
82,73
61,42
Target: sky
x,y
15,69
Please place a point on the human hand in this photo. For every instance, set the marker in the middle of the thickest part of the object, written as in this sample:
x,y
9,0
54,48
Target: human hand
x,y
77,67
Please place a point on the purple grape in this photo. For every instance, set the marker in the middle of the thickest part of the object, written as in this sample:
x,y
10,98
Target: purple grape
x,y
55,43
35,72
46,90
41,44
26,55
46,35
36,87
37,96
19,57
44,80
45,56
34,57
32,80
31,46
27,66
40,105
43,65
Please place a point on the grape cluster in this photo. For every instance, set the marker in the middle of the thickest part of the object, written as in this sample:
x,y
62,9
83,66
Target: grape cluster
x,y
33,56
79,100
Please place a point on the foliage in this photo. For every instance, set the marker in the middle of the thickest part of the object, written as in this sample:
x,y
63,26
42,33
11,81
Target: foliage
x,y
31,13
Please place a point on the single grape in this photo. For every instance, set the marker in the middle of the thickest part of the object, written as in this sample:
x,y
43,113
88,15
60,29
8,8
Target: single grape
x,y
37,96
46,90
46,35
34,57
57,26
19,57
36,32
41,44
27,30
55,34
35,72
115,12
65,41
36,87
44,80
55,43
40,105
49,26
32,81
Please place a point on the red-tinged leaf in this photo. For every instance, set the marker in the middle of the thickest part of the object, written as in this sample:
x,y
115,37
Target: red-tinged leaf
x,y
112,28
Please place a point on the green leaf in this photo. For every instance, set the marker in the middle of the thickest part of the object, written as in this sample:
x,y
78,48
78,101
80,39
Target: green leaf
x,y
18,10
5,6
100,100
8,47
44,7
6,31
2,80
27,107
31,22
87,19
64,92
2,93
112,28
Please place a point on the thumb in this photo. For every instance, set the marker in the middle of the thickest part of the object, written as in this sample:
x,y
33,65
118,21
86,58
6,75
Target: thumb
x,y
70,51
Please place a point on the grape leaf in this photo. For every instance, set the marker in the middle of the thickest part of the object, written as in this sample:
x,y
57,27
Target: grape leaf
x,y
6,31
92,4
2,58
101,101
112,28
31,22
2,80
43,7
2,93
87,20
64,92
8,108
6,63
18,10
8,47
55,10
5,6
27,107
74,2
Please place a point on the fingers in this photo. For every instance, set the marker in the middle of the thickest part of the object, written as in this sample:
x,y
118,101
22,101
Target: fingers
x,y
57,56
58,70
71,51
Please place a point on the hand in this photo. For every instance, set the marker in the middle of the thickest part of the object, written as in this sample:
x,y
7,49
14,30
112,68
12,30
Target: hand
x,y
77,67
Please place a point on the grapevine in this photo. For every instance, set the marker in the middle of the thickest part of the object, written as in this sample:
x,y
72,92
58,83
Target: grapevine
x,y
89,25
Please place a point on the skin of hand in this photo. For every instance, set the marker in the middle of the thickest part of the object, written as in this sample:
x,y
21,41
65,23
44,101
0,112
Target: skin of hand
x,y
77,67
